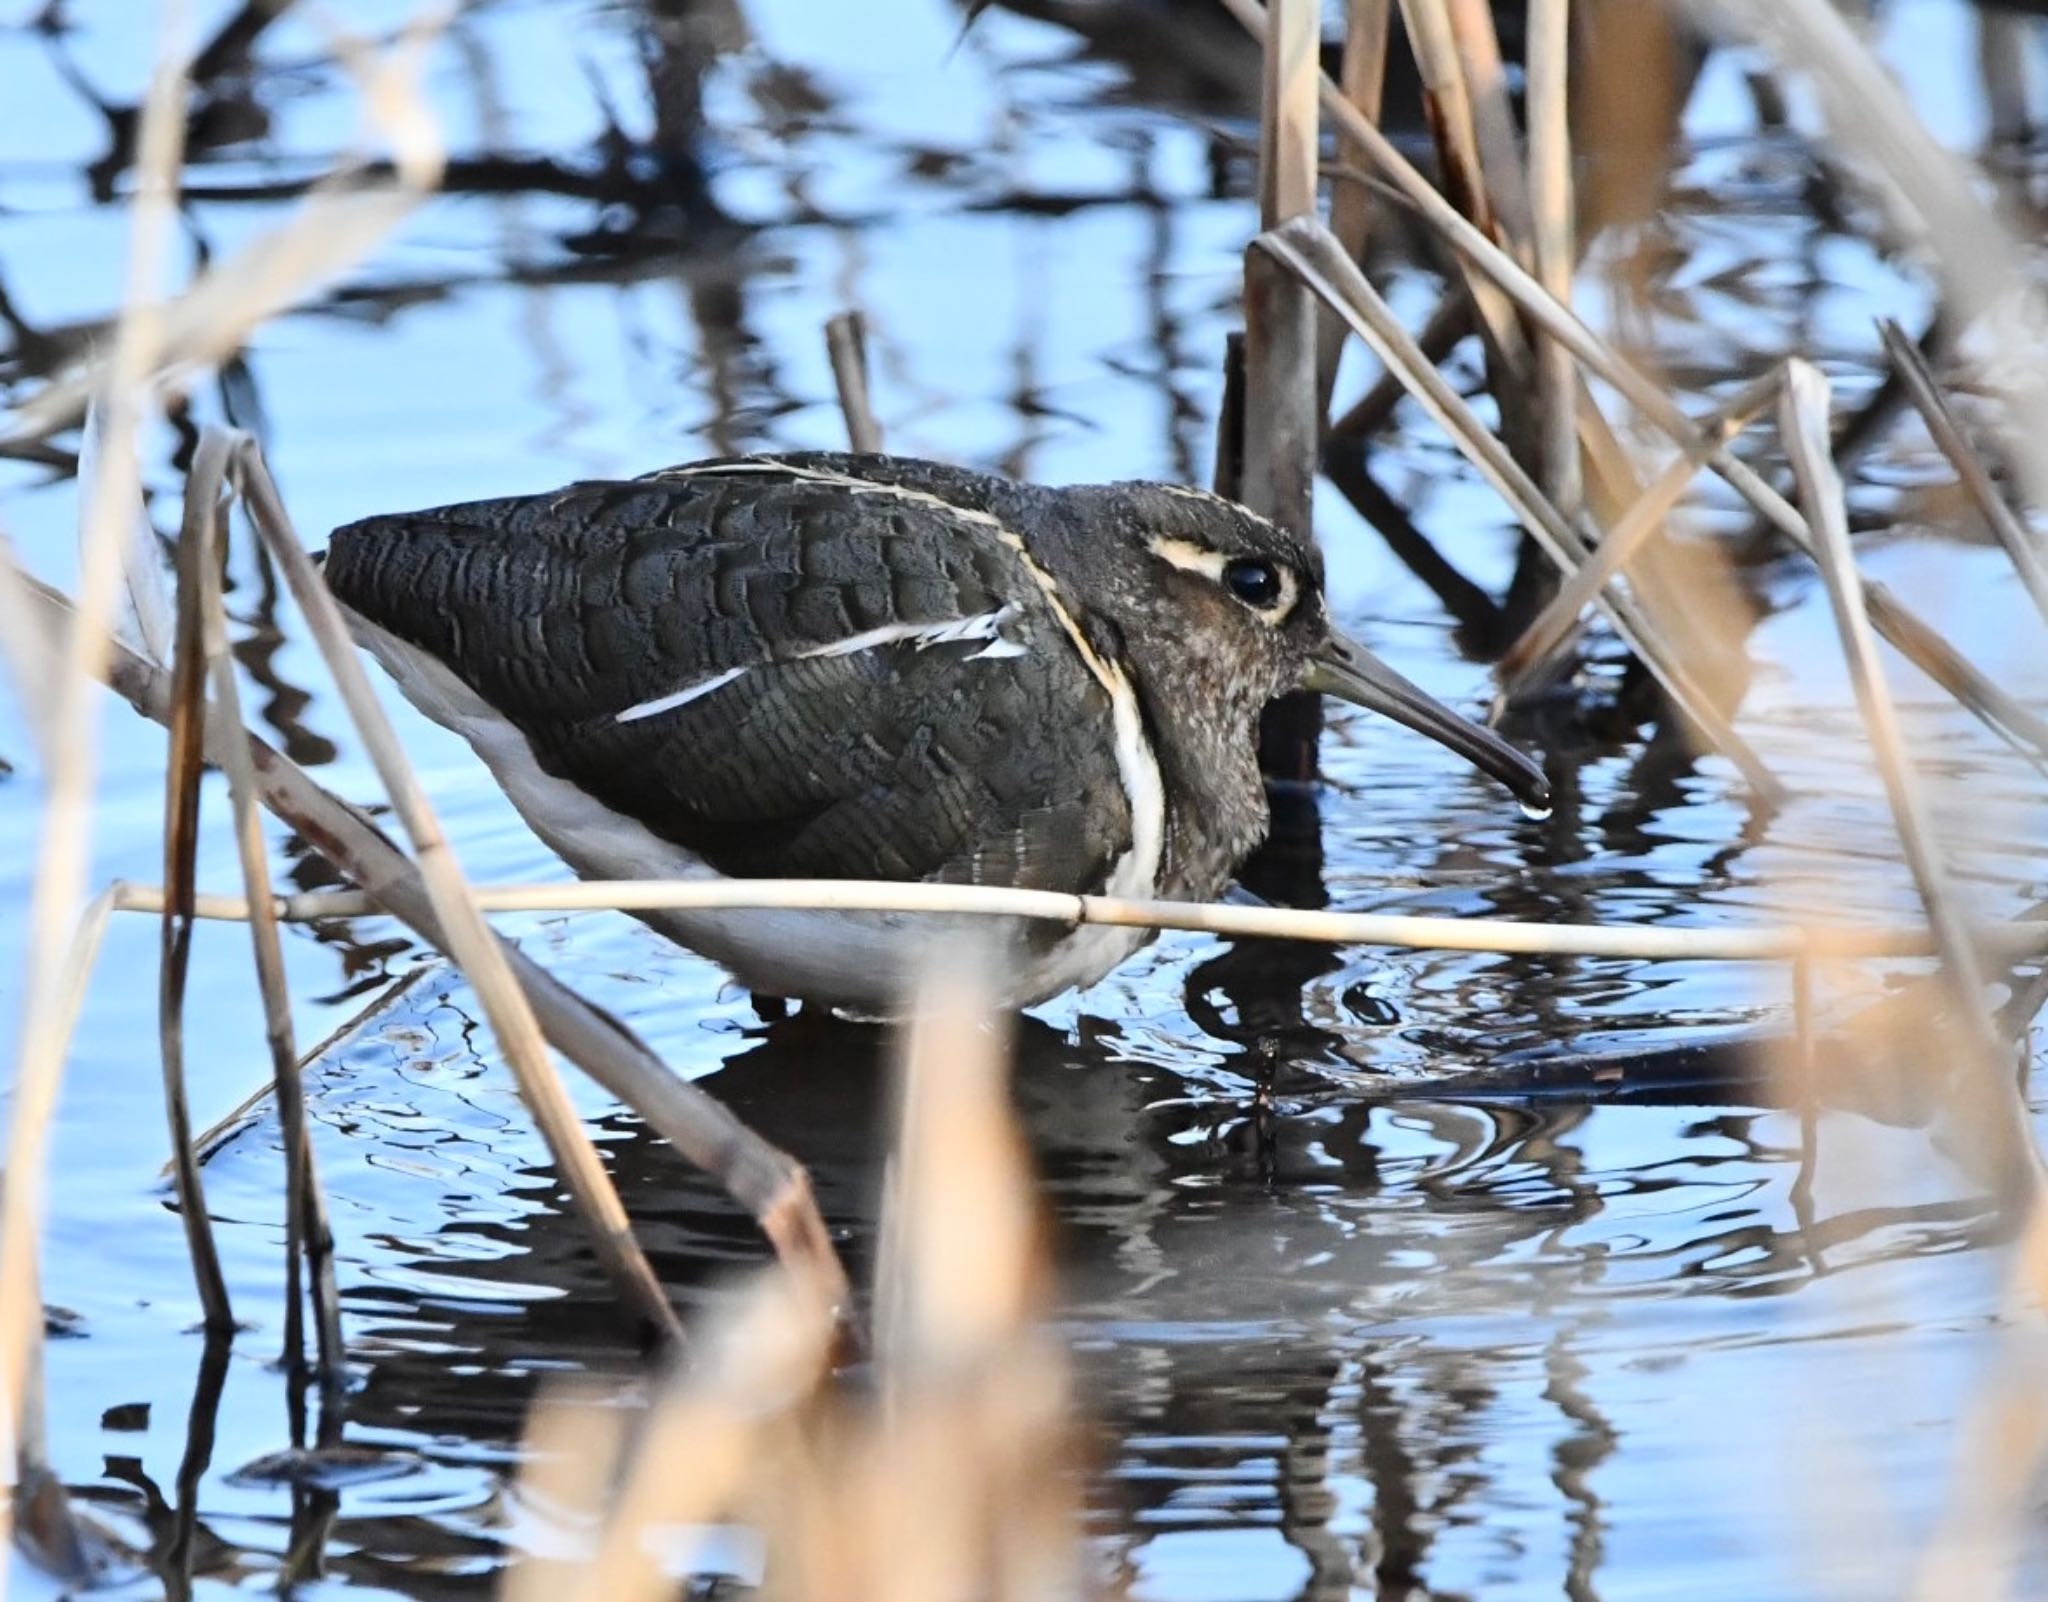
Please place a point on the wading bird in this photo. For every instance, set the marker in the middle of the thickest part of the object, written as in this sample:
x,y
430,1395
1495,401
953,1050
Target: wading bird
x,y
873,667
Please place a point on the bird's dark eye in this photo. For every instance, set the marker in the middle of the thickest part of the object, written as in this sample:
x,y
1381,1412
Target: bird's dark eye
x,y
1254,581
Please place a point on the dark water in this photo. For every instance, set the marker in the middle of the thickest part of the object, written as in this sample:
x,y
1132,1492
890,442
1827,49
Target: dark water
x,y
1344,1328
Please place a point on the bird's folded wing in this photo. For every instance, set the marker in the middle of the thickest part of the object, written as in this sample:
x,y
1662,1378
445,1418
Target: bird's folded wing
x,y
780,680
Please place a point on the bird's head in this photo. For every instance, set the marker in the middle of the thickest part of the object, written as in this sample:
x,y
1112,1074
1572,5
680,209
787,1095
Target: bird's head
x,y
1229,606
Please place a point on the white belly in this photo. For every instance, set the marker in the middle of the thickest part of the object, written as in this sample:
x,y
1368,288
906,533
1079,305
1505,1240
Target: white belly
x,y
861,960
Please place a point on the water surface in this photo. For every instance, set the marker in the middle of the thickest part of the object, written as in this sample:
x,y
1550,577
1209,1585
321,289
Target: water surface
x,y
1350,1316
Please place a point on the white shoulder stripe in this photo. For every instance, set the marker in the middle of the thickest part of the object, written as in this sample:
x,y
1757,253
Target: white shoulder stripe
x,y
982,626
668,703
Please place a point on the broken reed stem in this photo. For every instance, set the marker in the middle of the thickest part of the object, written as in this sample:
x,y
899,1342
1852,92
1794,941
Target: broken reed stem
x,y
1914,638
505,1005
182,769
1946,429
1411,931
1362,81
1551,208
771,1185
308,1230
846,344
1803,424
1306,248
1554,627
67,715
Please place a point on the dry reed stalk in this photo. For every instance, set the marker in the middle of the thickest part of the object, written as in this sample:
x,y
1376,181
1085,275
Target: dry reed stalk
x,y
1937,199
846,343
338,224
953,1270
243,1115
687,1461
1448,105
1362,81
1493,120
149,607
1409,931
24,664
1553,629
37,1496
1552,230
1447,101
307,1228
1282,417
1921,644
1449,321
767,1182
961,1281
71,768
506,1006
2020,542
1543,309
952,1476
182,768
1307,249
2007,1145
1281,426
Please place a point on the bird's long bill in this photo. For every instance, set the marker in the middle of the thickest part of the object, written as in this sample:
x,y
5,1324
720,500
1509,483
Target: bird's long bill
x,y
1350,672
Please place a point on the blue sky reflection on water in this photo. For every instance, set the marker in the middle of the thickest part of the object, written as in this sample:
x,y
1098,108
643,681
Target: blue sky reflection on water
x,y
1418,1348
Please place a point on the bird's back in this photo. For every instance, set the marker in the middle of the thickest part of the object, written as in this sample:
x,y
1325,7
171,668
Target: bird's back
x,y
785,666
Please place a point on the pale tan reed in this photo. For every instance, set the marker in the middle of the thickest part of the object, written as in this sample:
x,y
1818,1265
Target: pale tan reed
x,y
2007,1145
1554,627
2022,546
1896,622
506,1006
1306,247
767,1182
1362,80
1401,930
184,764
1280,434
71,770
308,1231
1554,245
952,1476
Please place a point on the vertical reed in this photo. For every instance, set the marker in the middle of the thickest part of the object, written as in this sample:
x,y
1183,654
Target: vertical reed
x,y
1283,427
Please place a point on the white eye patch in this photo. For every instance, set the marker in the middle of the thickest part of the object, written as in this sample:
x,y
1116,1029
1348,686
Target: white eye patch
x,y
1192,558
